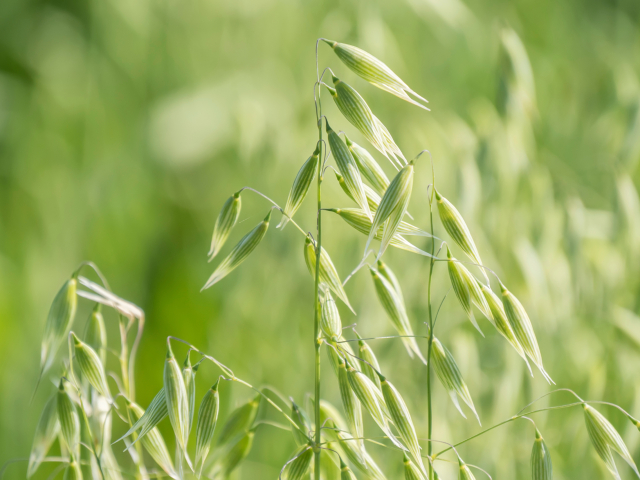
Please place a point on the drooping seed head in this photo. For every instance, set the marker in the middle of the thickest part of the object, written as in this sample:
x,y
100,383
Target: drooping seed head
x,y
467,290
206,426
541,468
449,375
238,452
69,420
300,188
300,434
300,463
369,168
59,320
328,273
91,367
240,252
46,433
227,218
240,421
152,441
177,399
330,321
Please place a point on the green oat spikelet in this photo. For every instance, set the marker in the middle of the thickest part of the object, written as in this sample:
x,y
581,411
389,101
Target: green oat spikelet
x,y
328,273
69,420
345,472
59,320
227,219
373,199
330,322
449,374
240,252
370,366
206,426
91,367
465,471
240,421
299,465
46,433
97,333
301,434
238,452
541,468
411,471
350,403
73,470
300,188
177,400
467,290
189,375
146,421
369,168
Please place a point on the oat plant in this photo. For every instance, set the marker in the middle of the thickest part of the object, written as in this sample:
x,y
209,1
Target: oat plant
x,y
89,399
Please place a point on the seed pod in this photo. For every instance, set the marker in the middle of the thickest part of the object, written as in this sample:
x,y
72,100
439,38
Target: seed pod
x,y
368,167
450,376
97,333
328,272
374,71
189,376
501,321
402,420
227,218
177,399
240,252
300,417
146,421
69,421
372,400
300,188
152,441
238,452
467,290
394,306
348,169
455,226
411,471
357,112
371,367
330,322
240,421
59,320
299,464
207,419
392,207
465,471
351,404
73,470
522,328
345,472
90,366
604,438
541,468
46,433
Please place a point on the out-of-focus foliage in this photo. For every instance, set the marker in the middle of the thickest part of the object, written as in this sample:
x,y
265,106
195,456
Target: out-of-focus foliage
x,y
125,125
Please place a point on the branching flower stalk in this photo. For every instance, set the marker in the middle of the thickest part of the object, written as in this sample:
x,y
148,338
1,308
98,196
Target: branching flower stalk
x,y
329,444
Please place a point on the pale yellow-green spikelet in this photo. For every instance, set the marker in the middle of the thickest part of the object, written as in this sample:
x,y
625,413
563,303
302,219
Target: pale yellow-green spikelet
x,y
345,472
369,168
465,472
350,403
189,375
329,468
238,452
206,426
370,366
386,272
373,199
177,400
97,333
501,321
374,71
402,420
153,442
466,289
605,438
73,470
523,329
411,471
240,252
147,420
240,421
110,466
46,433
392,149
227,218
456,227
59,320
348,169
330,320
328,273
299,416
450,376
69,420
392,207
91,367
394,306
359,457
342,346
299,464
300,188
541,468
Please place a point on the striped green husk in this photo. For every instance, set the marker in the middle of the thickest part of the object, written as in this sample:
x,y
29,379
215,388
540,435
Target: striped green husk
x,y
69,420
339,345
189,376
90,366
109,464
345,472
348,169
227,218
368,167
177,400
501,321
456,227
374,71
329,469
156,411
392,207
240,421
373,199
153,442
238,452
300,417
465,472
541,468
240,252
299,464
328,273
350,404
394,306
411,471
300,188
467,290
359,458
370,366
206,426
522,328
605,438
46,433
450,376
59,320
73,470
402,420
330,319
97,333
386,272
390,146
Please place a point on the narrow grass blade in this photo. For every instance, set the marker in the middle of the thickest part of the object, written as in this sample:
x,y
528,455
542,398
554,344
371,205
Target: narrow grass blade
x,y
227,218
300,188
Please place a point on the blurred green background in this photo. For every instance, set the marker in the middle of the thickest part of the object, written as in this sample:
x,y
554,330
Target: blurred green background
x,y
124,126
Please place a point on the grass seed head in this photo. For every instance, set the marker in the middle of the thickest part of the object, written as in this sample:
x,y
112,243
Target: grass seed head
x,y
73,470
351,404
465,472
299,466
371,367
153,442
240,421
189,374
238,452
301,418
330,320
411,471
300,187
206,426
328,273
149,418
227,218
46,433
69,420
240,252
369,168
467,290
345,472
91,367
59,320
97,333
177,399
541,468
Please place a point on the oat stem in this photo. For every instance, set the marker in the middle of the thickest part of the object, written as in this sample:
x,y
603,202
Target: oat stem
x,y
431,327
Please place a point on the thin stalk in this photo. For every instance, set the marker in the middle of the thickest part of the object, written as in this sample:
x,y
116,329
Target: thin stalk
x,y
430,344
